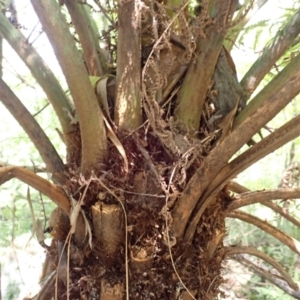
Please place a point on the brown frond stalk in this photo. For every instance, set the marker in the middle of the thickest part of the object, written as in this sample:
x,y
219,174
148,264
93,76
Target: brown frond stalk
x,y
234,251
263,196
275,140
268,228
282,212
209,172
263,272
56,194
237,188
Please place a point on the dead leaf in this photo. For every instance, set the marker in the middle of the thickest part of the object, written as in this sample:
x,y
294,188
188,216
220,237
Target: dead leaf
x,y
112,136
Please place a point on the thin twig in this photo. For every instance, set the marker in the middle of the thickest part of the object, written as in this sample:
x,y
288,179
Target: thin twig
x,y
39,111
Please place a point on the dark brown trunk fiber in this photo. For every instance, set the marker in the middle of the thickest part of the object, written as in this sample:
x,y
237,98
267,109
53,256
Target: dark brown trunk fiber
x,y
159,266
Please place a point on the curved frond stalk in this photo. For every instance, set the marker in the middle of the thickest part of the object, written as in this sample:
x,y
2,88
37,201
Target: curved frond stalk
x,y
281,42
56,194
193,198
266,274
33,168
53,162
268,228
237,188
234,32
43,76
128,113
263,196
274,86
93,136
275,140
282,212
87,31
233,251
